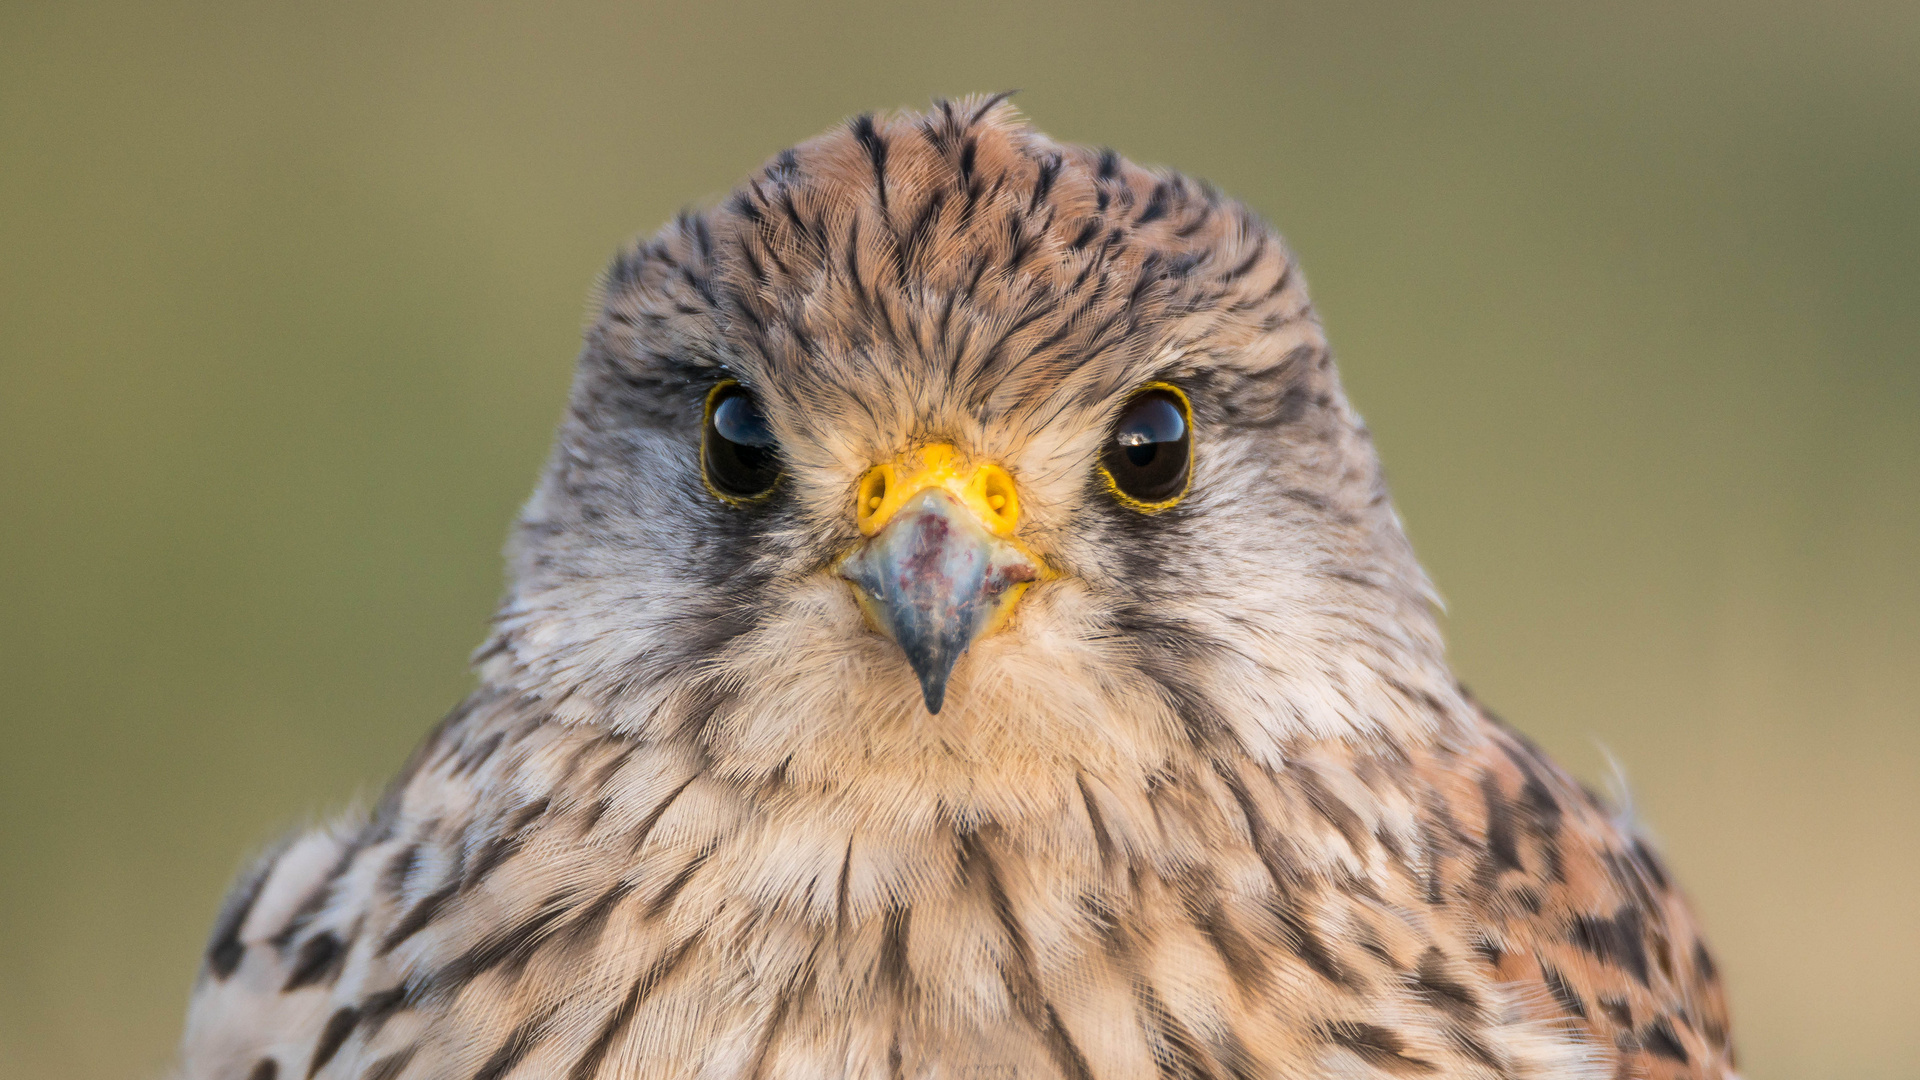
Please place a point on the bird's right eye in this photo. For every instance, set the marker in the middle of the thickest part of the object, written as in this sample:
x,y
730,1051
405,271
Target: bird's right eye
x,y
738,454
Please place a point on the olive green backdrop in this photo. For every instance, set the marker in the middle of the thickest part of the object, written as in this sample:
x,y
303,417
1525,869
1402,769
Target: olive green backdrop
x,y
289,296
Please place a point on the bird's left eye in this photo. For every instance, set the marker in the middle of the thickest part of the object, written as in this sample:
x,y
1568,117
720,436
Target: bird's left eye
x,y
1149,457
738,453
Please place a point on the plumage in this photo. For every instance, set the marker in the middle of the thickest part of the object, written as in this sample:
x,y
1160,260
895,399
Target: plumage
x,y
1208,804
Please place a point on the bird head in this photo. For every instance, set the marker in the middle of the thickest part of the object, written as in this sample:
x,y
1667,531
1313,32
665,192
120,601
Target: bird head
x,y
943,443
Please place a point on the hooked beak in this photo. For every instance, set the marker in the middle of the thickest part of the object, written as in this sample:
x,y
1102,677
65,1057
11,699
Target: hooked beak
x,y
939,567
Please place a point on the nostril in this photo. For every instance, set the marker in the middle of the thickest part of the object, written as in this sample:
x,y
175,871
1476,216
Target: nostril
x,y
872,493
996,489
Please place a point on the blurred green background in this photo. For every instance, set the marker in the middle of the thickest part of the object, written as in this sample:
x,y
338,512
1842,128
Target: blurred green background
x,y
290,293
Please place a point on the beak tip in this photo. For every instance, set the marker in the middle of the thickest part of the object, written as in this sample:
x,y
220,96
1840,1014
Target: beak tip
x,y
934,694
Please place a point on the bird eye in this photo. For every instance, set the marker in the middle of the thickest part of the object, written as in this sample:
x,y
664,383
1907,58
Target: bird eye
x,y
737,450
1148,460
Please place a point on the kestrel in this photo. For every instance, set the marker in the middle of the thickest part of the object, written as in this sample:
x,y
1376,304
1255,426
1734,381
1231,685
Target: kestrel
x,y
962,632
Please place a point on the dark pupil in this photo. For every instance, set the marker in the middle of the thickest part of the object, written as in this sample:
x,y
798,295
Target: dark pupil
x,y
742,458
1148,455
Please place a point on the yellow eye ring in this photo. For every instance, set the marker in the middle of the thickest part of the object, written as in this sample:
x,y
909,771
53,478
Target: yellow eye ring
x,y
1136,500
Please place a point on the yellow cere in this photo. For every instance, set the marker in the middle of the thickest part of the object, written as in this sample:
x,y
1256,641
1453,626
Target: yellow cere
x,y
982,487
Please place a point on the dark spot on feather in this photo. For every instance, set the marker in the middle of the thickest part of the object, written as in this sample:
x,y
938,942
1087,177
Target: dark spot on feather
x,y
510,947
379,1007
665,899
653,817
393,879
1377,1046
976,863
894,967
1703,962
1101,841
1619,940
1440,989
265,1069
1043,183
417,917
876,149
1176,1053
339,1026
316,899
1650,864
319,962
988,104
1563,991
517,1045
1304,943
1329,807
1156,205
473,757
593,918
225,949
1660,1040
491,854
622,1015
391,1066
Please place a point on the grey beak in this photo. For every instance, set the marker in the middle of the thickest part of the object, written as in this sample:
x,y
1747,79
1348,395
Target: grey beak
x,y
934,579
